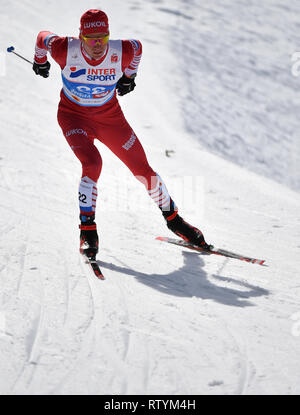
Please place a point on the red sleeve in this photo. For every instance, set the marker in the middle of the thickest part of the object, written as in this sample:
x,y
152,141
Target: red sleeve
x,y
50,42
131,56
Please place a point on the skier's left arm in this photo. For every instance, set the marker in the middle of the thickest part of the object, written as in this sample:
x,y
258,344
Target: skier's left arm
x,y
131,56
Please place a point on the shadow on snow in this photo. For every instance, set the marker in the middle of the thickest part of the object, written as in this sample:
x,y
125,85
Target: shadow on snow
x,y
192,281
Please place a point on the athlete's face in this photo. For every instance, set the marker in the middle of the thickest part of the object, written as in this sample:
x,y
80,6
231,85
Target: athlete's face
x,y
95,44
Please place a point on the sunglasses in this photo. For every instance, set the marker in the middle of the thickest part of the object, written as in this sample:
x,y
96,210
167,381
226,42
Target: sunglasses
x,y
92,41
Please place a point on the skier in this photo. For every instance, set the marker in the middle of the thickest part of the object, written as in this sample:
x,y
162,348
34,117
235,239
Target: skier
x,y
95,68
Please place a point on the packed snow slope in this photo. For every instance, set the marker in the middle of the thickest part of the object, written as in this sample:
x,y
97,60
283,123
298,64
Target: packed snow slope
x,y
215,87
242,81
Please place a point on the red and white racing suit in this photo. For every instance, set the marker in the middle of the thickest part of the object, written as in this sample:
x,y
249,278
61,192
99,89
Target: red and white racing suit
x,y
89,110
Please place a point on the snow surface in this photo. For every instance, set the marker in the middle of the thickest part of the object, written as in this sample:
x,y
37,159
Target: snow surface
x,y
215,86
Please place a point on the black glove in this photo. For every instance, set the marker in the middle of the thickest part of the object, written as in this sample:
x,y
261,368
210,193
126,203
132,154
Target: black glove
x,y
41,69
125,84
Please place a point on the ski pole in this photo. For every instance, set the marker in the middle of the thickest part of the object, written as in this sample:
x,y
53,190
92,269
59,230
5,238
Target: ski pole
x,y
11,49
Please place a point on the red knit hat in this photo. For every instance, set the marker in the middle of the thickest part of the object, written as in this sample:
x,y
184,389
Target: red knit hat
x,y
94,21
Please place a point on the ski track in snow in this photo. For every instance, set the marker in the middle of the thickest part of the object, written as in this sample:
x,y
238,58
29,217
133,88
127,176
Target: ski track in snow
x,y
165,320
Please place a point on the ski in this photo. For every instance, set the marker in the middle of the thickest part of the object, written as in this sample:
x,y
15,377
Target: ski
x,y
94,266
211,250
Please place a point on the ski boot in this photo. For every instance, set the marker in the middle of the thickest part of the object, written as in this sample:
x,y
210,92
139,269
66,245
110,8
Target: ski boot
x,y
183,229
88,236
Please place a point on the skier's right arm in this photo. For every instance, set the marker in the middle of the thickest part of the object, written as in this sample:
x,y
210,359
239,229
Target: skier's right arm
x,y
49,42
